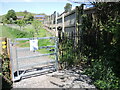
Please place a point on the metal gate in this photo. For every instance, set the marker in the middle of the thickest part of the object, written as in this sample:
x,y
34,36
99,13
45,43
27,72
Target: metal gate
x,y
26,63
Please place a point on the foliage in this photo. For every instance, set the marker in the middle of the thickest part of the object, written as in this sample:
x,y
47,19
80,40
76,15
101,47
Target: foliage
x,y
98,45
29,17
68,53
4,20
37,25
103,76
102,45
21,23
68,7
11,15
6,79
13,33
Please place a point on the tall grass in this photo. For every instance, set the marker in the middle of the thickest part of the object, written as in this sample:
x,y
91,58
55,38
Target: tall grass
x,y
13,33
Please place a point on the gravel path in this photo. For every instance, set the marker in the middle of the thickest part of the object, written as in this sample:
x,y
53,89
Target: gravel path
x,y
58,79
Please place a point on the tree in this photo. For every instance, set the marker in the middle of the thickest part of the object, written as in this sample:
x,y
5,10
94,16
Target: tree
x,y
36,24
25,12
11,15
68,7
29,17
21,23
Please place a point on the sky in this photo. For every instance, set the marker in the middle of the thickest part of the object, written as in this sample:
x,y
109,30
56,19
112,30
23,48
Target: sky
x,y
34,6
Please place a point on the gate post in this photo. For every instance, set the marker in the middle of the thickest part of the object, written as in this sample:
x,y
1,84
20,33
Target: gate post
x,y
11,60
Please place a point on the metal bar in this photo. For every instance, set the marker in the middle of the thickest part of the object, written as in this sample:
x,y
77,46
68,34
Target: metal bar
x,y
27,48
41,63
19,39
35,72
46,47
21,49
17,61
56,51
36,56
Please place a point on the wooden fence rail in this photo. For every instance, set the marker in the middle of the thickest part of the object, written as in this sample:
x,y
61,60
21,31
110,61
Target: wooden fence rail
x,y
68,21
70,32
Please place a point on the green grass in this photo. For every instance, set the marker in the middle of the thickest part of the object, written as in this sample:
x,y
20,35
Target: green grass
x,y
42,42
14,33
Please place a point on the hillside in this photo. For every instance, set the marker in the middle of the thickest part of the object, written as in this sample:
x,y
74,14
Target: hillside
x,y
24,13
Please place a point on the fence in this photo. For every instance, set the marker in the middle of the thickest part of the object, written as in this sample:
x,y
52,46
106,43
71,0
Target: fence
x,y
68,21
71,36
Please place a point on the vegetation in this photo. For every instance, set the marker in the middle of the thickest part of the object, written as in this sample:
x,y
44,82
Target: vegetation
x,y
11,14
37,25
11,17
21,23
98,47
104,59
13,33
68,7
6,79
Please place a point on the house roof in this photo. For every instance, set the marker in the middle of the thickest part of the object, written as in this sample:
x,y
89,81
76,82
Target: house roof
x,y
20,16
39,15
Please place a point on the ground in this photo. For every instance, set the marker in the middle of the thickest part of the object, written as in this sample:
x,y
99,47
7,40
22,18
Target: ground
x,y
59,79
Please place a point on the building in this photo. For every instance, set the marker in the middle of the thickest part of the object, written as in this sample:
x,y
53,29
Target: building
x,y
39,17
20,17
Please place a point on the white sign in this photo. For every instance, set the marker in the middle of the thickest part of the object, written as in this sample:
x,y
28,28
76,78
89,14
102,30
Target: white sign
x,y
33,45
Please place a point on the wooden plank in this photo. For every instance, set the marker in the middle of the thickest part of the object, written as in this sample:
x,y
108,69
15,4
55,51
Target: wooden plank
x,y
69,26
8,48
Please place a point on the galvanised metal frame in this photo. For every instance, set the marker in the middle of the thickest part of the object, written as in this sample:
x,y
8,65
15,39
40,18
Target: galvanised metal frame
x,y
19,76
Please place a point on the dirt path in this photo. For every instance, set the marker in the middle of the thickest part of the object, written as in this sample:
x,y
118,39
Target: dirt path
x,y
59,79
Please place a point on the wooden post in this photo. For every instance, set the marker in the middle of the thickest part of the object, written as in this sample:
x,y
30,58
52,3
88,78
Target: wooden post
x,y
56,25
8,48
0,73
80,30
78,39
63,24
3,44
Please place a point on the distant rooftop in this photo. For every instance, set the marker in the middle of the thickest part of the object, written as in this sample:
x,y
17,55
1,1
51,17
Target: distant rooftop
x,y
20,16
39,15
